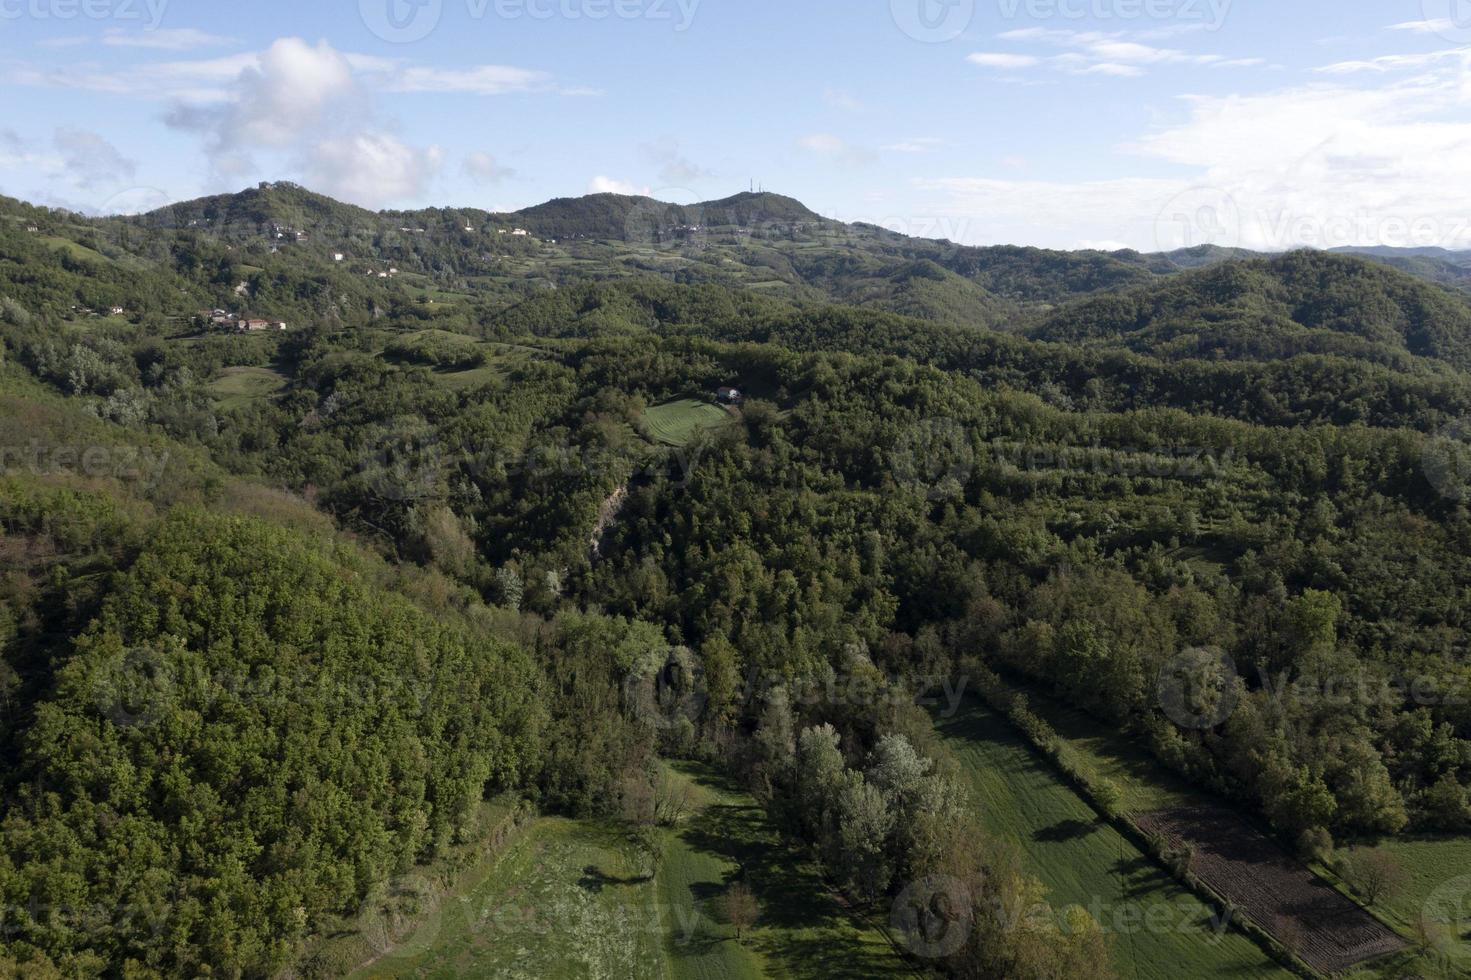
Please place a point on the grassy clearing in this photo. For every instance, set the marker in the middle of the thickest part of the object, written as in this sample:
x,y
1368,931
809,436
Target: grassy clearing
x,y
1158,929
500,361
1146,785
1437,889
238,387
568,899
677,423
578,899
75,249
803,931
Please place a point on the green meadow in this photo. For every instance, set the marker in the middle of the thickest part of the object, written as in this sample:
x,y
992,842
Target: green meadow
x,y
1158,930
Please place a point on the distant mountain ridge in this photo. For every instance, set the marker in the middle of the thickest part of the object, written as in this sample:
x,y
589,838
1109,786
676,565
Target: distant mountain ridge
x,y
761,241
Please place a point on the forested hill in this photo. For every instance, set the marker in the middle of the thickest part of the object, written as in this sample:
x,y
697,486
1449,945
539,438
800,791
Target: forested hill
x,y
620,217
1270,309
282,609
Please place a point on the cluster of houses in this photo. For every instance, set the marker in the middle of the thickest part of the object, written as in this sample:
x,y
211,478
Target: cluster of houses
x,y
225,320
88,311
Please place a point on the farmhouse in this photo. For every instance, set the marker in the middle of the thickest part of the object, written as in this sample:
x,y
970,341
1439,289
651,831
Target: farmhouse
x,y
251,326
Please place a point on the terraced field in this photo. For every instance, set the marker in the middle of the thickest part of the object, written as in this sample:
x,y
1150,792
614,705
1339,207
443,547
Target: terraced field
x,y
1158,930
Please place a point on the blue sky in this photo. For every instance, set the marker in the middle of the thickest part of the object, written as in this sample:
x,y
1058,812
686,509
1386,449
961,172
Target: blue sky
x,y
1063,123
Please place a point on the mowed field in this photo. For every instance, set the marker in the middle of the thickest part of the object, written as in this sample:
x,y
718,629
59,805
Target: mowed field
x,y
676,423
238,387
578,899
1437,895
1157,929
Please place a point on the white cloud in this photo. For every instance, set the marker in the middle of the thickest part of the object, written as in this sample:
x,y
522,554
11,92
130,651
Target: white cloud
x,y
485,169
1102,53
1439,25
206,80
837,149
304,106
1396,62
175,39
607,185
1108,68
918,144
371,168
1004,61
822,143
89,161
1320,165
675,169
839,99
484,80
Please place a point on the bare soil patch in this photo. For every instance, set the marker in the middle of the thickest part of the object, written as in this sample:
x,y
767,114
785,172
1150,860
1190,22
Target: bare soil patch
x,y
1273,889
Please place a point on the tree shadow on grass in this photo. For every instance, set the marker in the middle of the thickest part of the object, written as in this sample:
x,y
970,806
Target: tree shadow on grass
x,y
595,880
802,926
1066,830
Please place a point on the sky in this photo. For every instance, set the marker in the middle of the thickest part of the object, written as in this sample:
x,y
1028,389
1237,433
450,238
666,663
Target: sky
x,y
1149,124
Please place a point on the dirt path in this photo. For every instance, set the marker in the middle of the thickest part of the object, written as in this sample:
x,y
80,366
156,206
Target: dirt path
x,y
607,514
